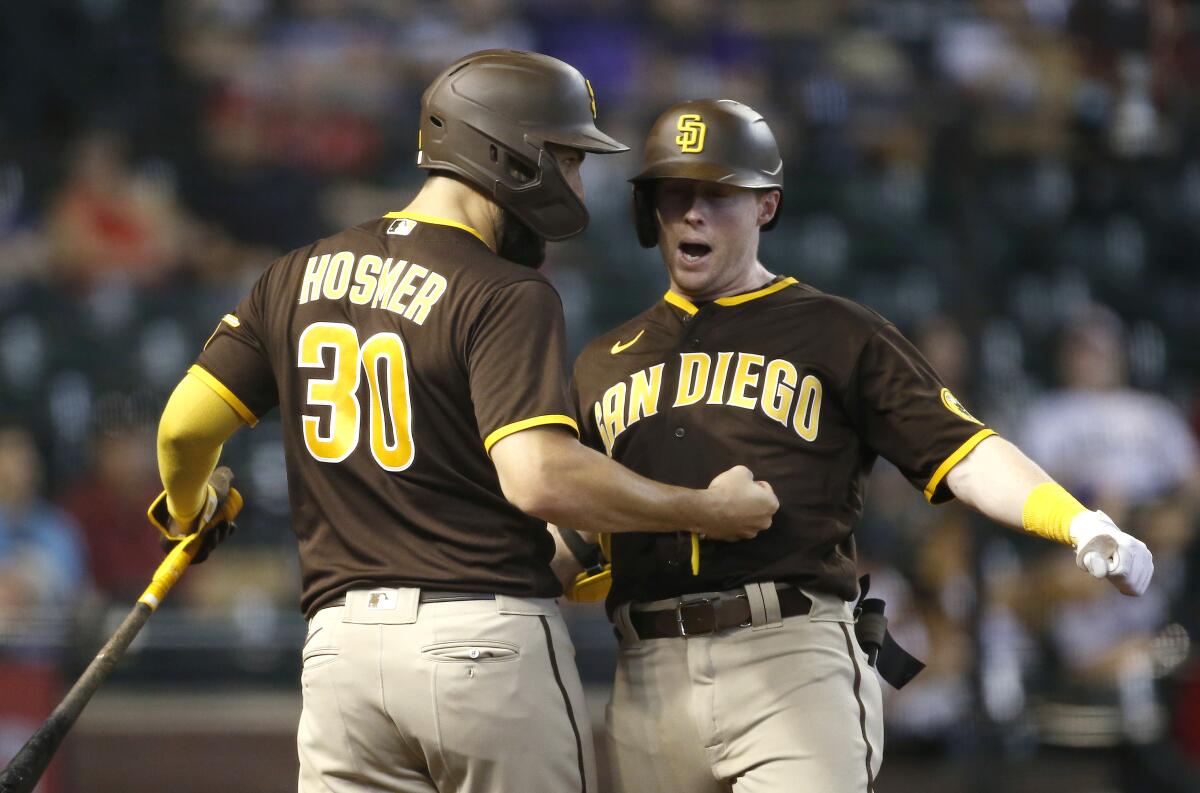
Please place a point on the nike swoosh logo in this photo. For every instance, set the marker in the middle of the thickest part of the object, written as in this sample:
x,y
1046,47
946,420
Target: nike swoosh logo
x,y
619,347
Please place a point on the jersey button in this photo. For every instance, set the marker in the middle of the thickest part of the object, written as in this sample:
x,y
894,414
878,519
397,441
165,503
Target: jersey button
x,y
696,342
680,432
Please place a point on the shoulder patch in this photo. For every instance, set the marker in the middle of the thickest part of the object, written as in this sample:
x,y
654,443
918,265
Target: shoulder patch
x,y
954,406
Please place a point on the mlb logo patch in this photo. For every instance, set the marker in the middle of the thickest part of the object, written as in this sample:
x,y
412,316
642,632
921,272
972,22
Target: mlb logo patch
x,y
383,599
402,227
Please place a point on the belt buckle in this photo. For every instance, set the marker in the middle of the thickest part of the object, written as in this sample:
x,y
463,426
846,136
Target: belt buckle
x,y
750,619
702,630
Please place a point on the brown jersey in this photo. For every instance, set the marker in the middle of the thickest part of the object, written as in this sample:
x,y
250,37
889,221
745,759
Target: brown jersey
x,y
399,352
804,388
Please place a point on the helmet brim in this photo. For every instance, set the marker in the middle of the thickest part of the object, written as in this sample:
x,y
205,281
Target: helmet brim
x,y
585,138
707,172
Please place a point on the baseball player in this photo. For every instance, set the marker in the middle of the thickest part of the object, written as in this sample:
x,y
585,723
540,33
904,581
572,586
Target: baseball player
x,y
415,361
738,666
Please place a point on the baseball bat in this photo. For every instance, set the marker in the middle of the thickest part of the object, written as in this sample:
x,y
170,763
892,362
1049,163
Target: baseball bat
x,y
26,768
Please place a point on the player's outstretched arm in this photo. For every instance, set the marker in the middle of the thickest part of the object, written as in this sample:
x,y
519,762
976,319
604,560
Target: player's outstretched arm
x,y
997,479
546,472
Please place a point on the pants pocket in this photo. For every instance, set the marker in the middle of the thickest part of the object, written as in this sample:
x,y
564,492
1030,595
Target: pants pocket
x,y
482,651
318,658
320,645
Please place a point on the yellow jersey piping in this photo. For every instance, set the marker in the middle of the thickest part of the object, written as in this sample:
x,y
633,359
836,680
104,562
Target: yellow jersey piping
x,y
953,460
524,424
437,222
734,300
239,407
679,301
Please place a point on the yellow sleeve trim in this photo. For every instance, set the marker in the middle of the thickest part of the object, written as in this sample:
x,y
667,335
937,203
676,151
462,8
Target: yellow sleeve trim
x,y
954,460
746,298
524,424
230,398
437,222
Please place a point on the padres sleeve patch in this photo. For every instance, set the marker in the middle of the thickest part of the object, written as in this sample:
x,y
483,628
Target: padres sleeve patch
x,y
954,406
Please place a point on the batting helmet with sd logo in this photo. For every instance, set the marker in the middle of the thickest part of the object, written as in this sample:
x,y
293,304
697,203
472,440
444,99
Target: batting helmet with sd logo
x,y
488,118
708,140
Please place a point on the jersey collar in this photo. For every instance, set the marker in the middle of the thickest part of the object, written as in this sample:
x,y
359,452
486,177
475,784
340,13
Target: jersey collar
x,y
679,301
437,222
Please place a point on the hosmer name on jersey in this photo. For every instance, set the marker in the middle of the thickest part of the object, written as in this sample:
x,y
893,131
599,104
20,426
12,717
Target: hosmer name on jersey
x,y
734,379
404,288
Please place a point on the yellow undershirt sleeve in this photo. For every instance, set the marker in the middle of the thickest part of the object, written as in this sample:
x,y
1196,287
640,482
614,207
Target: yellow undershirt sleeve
x,y
194,425
1048,512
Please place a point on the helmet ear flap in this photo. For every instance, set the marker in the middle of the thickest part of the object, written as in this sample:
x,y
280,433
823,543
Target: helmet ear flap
x,y
643,215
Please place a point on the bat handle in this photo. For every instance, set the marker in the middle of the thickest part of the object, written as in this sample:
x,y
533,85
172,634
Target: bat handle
x,y
170,570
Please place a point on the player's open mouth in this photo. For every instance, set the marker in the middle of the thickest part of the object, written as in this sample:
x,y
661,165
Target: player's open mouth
x,y
692,252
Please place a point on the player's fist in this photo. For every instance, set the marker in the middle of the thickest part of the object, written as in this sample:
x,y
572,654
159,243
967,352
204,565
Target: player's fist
x,y
1107,552
222,503
741,507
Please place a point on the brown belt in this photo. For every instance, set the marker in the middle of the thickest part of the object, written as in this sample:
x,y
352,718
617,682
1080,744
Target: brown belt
x,y
701,616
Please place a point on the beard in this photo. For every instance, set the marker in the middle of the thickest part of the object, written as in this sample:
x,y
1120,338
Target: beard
x,y
518,243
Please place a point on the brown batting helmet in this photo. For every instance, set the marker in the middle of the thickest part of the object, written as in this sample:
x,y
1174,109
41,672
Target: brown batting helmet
x,y
488,118
708,140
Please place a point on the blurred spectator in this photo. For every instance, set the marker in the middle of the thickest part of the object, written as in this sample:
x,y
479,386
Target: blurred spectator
x,y
460,26
22,249
110,505
1129,453
41,558
603,39
234,178
945,346
107,219
1112,445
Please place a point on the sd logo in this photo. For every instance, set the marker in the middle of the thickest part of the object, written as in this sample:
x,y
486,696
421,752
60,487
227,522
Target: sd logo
x,y
690,139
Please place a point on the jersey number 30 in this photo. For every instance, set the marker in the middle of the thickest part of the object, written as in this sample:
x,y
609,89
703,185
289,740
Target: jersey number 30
x,y
383,359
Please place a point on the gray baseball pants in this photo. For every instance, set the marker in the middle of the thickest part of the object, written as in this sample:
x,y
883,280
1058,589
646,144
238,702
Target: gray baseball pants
x,y
475,696
784,705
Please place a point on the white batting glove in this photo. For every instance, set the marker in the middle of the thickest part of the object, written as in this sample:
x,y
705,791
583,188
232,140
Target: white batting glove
x,y
1107,552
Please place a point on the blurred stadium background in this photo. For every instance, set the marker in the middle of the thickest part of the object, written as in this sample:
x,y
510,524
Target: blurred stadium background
x,y
1016,183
